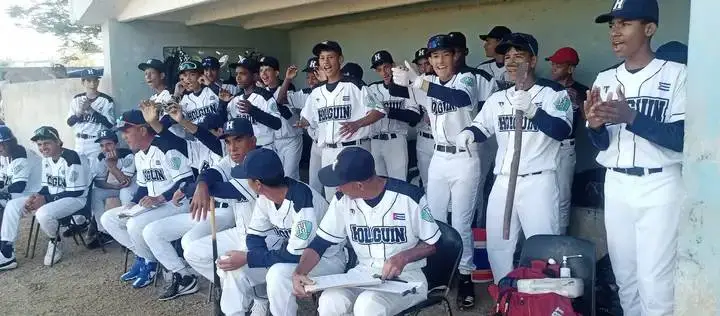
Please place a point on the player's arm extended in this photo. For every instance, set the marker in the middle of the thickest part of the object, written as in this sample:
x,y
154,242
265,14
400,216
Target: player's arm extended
x,y
555,127
216,186
311,255
454,97
265,118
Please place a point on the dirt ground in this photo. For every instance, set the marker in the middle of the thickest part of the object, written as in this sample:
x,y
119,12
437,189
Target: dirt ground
x,y
86,282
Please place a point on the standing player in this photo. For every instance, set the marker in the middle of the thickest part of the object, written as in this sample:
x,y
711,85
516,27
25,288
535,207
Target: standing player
x,y
162,168
392,244
389,144
287,210
90,112
450,99
253,103
547,121
211,69
114,177
563,63
340,108
425,143
496,64
198,100
636,113
63,192
288,139
422,62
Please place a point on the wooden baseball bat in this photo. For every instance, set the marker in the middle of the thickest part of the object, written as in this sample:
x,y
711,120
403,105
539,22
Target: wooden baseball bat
x,y
515,164
216,279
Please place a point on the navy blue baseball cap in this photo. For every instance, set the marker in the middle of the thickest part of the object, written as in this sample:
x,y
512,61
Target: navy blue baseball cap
x,y
379,58
420,54
312,65
270,61
673,51
247,63
632,10
353,164
260,164
130,118
90,73
440,42
237,127
210,62
154,64
107,134
211,121
331,46
499,32
521,41
352,70
5,134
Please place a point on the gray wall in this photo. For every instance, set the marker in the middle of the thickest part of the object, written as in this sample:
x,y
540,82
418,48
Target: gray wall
x,y
128,44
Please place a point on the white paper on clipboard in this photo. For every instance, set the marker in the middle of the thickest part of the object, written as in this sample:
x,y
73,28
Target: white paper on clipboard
x,y
341,281
394,287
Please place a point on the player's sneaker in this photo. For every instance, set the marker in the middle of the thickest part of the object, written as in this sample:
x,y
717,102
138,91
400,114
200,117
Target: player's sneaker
x,y
100,240
7,259
53,245
74,229
134,271
466,292
260,308
146,276
181,285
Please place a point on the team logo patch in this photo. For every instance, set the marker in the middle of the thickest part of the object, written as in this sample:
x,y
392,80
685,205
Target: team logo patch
x,y
468,81
426,215
127,163
175,163
17,168
563,104
74,176
398,216
303,229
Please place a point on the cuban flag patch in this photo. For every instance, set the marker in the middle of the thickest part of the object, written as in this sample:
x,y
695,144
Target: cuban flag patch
x,y
398,216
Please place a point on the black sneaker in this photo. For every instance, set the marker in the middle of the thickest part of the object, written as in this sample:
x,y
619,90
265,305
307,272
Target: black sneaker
x,y
466,292
181,285
75,229
100,240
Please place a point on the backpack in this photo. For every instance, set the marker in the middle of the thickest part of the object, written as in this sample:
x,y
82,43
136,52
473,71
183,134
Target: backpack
x,y
510,302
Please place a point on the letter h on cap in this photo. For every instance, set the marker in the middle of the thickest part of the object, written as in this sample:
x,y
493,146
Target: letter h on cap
x,y
618,5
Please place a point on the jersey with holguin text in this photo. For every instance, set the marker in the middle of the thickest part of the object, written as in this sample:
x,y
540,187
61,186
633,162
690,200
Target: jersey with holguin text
x,y
163,164
125,162
380,93
197,105
264,101
67,174
24,165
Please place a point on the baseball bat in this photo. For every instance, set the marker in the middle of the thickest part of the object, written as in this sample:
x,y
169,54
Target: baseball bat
x,y
515,164
216,279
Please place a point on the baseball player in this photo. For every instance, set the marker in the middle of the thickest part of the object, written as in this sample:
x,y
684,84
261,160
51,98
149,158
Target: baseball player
x,y
253,103
563,63
496,64
340,109
296,100
390,227
287,210
547,121
450,100
288,139
422,62
162,168
199,100
211,69
353,70
63,193
636,116
114,177
425,143
389,144
90,112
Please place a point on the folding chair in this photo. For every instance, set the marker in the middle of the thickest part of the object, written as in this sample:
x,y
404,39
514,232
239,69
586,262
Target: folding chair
x,y
543,247
440,270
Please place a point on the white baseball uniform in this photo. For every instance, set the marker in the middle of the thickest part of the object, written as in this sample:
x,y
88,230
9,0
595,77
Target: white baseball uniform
x,y
264,101
164,97
161,169
126,164
297,100
330,105
643,185
294,224
424,146
20,173
86,126
233,89
288,139
389,140
378,230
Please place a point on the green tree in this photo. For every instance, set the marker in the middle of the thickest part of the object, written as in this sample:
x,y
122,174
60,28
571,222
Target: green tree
x,y
53,17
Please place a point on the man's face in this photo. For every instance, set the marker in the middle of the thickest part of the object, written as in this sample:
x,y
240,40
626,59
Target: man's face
x,y
191,81
424,65
268,76
239,146
153,77
329,62
385,72
490,45
4,151
133,136
48,147
244,78
211,74
626,37
107,146
561,71
443,62
311,79
91,83
513,59
351,189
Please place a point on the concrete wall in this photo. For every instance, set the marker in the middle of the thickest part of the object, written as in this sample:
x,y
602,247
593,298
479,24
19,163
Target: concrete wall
x,y
128,44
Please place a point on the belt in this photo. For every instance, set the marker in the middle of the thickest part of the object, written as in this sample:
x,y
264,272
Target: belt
x,y
85,136
345,144
530,174
221,205
261,146
426,135
567,142
637,171
385,136
449,149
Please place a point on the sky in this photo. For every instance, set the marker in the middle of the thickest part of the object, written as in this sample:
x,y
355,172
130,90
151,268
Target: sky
x,y
19,44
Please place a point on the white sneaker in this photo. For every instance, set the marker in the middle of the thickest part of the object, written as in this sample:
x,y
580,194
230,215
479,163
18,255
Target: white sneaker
x,y
260,308
8,263
58,253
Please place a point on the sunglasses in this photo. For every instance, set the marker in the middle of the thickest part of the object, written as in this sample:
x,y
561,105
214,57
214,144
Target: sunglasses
x,y
46,132
189,66
121,124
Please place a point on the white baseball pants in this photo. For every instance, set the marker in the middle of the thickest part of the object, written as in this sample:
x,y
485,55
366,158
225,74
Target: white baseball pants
x,y
129,232
47,215
641,219
314,168
487,151
290,151
424,147
535,211
199,255
453,178
99,195
349,301
565,173
87,147
328,158
160,234
391,157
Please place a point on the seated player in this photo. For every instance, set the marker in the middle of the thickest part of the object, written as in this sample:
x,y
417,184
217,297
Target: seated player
x,y
391,229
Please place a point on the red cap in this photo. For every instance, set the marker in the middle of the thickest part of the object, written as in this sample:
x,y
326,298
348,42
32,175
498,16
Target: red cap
x,y
565,55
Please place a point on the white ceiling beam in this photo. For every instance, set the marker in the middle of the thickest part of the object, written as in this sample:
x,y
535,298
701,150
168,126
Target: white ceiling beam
x,y
233,8
142,9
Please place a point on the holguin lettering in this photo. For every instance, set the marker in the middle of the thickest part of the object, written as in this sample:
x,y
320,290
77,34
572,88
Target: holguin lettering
x,y
394,104
200,112
655,108
365,235
58,182
442,107
334,113
506,123
154,174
